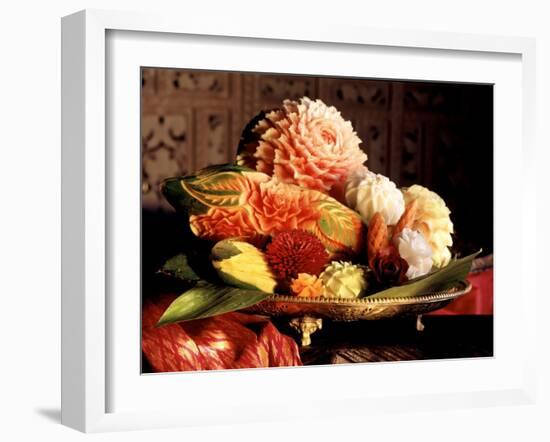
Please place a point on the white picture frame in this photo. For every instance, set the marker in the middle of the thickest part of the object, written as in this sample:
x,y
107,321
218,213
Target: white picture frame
x,y
90,172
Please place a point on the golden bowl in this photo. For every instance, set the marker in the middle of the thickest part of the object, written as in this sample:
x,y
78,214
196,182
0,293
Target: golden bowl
x,y
306,314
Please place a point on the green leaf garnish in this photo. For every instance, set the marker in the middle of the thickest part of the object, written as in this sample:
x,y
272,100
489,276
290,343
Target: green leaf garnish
x,y
178,267
205,300
455,271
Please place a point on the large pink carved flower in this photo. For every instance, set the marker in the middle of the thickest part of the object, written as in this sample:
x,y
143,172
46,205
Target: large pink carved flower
x,y
306,143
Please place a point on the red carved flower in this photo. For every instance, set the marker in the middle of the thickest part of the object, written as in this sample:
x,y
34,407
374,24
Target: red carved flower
x,y
389,268
294,252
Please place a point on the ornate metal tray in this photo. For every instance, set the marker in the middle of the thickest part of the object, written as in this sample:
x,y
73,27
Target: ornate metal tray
x,y
306,314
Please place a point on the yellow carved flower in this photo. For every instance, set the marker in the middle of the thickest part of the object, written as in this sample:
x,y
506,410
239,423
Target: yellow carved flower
x,y
343,280
433,221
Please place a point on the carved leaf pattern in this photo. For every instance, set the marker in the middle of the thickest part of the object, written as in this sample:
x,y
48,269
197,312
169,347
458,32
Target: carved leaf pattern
x,y
338,226
222,189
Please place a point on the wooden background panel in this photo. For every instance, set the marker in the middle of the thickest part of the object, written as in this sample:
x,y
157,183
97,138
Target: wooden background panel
x,y
356,95
196,118
215,141
165,151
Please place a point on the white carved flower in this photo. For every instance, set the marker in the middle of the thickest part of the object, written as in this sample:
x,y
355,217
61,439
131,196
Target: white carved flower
x,y
414,249
368,193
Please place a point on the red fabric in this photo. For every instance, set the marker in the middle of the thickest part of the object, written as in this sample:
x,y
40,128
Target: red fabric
x,y
478,302
232,340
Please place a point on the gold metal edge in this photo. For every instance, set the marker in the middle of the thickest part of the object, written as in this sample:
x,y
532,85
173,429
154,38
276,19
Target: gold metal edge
x,y
441,295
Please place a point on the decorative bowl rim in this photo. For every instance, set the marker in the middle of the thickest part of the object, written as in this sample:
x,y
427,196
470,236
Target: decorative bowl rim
x,y
458,289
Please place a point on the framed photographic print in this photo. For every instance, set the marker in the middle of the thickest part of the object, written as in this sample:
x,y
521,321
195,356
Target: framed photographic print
x,y
252,214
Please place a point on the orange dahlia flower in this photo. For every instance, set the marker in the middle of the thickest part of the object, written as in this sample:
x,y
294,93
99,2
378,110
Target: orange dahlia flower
x,y
306,143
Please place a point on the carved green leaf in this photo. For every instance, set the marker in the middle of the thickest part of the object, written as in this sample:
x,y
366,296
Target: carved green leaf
x,y
216,190
338,224
455,271
205,300
179,199
216,186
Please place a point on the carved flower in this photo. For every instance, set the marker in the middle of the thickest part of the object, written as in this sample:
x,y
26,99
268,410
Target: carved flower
x,y
433,220
414,249
368,193
219,223
306,143
343,280
277,207
307,286
293,252
389,268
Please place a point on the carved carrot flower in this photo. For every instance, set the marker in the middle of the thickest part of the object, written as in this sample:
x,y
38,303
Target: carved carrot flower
x,y
307,286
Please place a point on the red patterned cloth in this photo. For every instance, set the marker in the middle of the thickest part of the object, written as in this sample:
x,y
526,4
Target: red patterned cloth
x,y
478,302
232,340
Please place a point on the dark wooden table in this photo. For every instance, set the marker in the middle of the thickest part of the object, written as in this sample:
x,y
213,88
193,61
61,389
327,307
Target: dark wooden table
x,y
398,340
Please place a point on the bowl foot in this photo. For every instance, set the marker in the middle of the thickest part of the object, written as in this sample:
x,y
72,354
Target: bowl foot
x,y
306,326
419,324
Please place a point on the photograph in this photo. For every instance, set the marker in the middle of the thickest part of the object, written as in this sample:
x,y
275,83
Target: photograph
x,y
279,222
301,220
